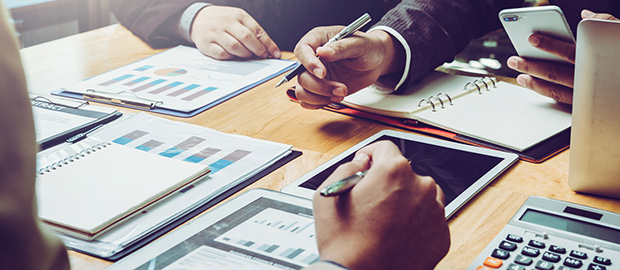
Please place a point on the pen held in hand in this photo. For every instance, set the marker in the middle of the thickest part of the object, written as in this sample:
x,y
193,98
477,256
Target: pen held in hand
x,y
343,185
347,31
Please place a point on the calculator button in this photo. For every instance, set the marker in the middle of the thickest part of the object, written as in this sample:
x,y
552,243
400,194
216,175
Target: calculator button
x,y
542,265
493,262
523,260
505,245
557,249
532,252
537,244
514,238
602,260
561,268
513,266
551,257
572,262
500,254
579,254
596,267
483,268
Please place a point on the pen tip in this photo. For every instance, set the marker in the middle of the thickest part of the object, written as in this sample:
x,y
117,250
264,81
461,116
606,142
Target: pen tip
x,y
281,82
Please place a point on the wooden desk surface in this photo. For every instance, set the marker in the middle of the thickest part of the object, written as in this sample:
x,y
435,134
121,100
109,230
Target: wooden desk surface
x,y
266,113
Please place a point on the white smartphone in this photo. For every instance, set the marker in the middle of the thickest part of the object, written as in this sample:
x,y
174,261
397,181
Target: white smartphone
x,y
521,23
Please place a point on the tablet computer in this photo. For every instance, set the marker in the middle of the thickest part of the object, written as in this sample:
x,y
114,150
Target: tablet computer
x,y
257,230
460,170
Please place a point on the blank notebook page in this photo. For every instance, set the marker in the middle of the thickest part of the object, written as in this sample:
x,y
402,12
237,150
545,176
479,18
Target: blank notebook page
x,y
107,184
509,115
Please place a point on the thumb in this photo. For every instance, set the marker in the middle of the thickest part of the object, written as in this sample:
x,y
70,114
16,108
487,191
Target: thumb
x,y
361,162
348,48
587,14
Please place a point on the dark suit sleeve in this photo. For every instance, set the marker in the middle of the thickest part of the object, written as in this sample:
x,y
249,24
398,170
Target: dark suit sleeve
x,y
437,30
149,19
285,21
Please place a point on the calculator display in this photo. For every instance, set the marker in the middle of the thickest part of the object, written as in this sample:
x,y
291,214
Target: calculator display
x,y
571,225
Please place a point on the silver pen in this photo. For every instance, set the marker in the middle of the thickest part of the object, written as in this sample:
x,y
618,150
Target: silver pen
x,y
343,185
347,31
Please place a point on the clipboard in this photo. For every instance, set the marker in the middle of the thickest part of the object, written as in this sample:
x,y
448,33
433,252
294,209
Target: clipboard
x,y
179,82
74,133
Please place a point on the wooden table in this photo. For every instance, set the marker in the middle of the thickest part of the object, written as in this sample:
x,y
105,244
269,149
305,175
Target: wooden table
x,y
266,113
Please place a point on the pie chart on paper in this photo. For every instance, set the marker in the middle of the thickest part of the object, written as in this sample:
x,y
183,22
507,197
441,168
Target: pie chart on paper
x,y
170,72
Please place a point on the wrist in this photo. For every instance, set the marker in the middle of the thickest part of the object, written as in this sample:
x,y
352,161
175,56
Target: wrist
x,y
393,54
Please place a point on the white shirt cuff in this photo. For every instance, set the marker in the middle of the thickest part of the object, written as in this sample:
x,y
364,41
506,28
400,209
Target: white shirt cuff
x,y
403,42
187,18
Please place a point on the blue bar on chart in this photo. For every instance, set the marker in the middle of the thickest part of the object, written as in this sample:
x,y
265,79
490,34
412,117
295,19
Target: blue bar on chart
x,y
149,145
115,80
143,68
290,225
295,253
138,80
228,160
129,137
182,147
199,93
202,155
271,248
184,90
312,258
147,85
166,87
303,228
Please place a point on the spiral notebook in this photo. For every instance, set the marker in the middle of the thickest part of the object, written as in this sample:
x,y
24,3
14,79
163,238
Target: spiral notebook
x,y
500,113
92,190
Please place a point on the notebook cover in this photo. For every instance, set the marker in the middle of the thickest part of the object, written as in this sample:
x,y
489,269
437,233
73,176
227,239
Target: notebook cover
x,y
535,154
157,233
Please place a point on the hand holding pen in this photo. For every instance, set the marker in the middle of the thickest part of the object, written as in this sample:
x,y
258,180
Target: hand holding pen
x,y
390,211
347,31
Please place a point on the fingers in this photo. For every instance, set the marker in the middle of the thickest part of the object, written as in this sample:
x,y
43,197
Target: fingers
x,y
558,92
552,72
586,14
227,33
563,49
348,48
305,50
322,94
441,198
257,40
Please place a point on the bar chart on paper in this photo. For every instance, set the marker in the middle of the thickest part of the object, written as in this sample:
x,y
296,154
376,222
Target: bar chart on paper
x,y
186,149
278,234
181,79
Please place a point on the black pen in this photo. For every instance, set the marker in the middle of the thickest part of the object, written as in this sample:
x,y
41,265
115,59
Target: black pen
x,y
347,31
82,135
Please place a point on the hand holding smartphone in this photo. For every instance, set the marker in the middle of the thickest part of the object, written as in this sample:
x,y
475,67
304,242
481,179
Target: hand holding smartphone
x,y
521,23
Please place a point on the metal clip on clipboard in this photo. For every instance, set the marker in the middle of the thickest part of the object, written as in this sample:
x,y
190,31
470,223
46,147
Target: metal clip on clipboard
x,y
73,104
112,97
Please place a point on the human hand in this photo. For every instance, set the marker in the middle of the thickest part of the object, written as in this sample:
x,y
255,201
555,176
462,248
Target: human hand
x,y
344,67
554,80
392,219
229,32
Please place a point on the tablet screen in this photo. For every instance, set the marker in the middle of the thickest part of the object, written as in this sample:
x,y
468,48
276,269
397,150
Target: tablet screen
x,y
453,169
265,234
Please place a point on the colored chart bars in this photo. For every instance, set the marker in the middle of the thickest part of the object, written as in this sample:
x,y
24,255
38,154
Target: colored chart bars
x,y
183,147
276,233
185,91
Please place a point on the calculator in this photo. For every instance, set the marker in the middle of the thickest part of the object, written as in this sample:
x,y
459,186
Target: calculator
x,y
547,234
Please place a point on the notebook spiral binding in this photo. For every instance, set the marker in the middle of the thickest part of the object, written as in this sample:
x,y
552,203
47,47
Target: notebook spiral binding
x,y
477,83
72,158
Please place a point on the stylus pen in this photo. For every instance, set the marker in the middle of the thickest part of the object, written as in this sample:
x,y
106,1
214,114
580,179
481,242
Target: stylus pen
x,y
342,186
347,31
